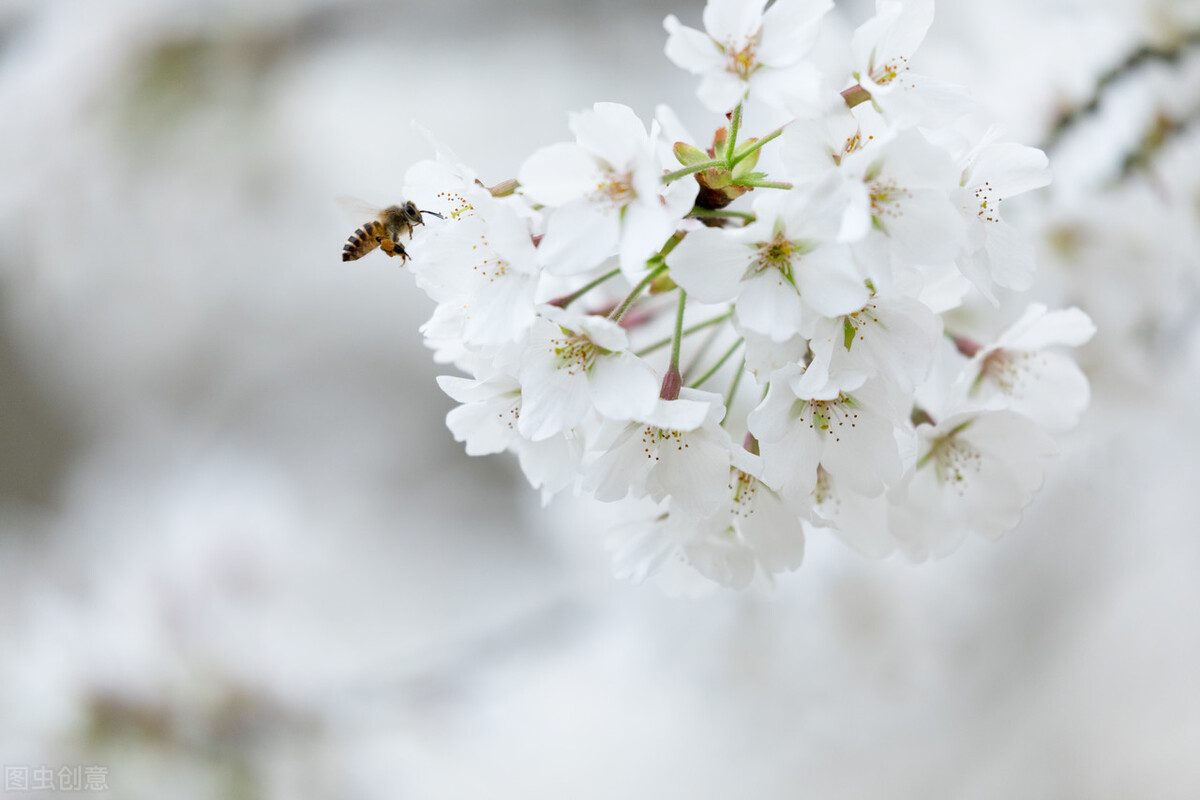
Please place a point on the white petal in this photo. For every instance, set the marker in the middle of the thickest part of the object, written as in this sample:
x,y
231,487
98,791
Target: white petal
x,y
623,386
1010,169
863,456
554,399
558,173
769,305
645,227
477,424
798,89
691,49
579,235
719,556
733,21
551,464
721,91
612,132
623,467
709,264
696,476
924,227
829,282
1010,255
789,30
773,531
1038,328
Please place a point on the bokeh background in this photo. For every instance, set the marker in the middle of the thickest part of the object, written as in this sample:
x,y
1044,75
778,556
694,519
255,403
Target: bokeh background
x,y
241,557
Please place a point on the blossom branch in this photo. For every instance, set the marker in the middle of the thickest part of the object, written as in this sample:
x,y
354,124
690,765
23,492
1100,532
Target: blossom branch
x,y
735,122
696,384
620,310
567,299
672,381
661,343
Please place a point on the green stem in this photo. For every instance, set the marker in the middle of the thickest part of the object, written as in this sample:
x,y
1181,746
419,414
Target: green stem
x,y
720,213
737,379
672,381
764,184
756,145
677,339
720,363
692,169
620,310
567,299
690,370
660,344
735,122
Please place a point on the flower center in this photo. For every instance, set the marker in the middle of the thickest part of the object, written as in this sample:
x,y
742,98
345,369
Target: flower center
x,y
459,207
742,61
889,71
829,417
744,487
853,144
1007,370
653,438
574,353
885,199
954,460
616,190
778,254
854,325
988,209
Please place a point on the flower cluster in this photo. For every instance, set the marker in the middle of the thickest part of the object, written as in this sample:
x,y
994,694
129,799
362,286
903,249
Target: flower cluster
x,y
752,356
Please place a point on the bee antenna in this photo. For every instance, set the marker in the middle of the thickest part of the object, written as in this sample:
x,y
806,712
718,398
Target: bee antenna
x,y
432,213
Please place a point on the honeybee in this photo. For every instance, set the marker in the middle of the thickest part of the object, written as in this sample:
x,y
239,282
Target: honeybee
x,y
384,231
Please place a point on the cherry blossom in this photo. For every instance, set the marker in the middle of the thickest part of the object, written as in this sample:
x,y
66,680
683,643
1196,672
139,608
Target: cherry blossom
x,y
744,50
756,341
606,193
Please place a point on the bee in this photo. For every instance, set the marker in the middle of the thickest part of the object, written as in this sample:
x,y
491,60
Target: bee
x,y
384,231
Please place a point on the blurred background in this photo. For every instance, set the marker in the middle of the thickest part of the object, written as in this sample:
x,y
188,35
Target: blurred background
x,y
241,556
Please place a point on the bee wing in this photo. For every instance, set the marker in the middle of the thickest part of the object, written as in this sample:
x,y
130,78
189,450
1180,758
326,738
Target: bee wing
x,y
357,211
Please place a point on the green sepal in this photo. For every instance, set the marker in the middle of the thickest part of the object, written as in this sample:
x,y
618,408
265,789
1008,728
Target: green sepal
x,y
717,178
689,155
748,162
662,283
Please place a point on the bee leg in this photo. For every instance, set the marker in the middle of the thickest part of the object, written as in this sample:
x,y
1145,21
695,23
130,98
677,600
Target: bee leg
x,y
393,248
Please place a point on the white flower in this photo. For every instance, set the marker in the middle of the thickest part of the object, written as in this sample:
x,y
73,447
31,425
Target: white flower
x,y
845,430
997,252
861,522
679,450
892,338
574,363
680,556
1018,372
752,529
782,270
487,423
975,473
760,517
904,187
484,264
882,47
813,151
743,50
607,194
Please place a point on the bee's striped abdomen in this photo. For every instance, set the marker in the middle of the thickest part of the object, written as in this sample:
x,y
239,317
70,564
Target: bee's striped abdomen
x,y
364,240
